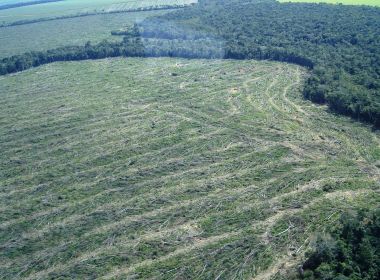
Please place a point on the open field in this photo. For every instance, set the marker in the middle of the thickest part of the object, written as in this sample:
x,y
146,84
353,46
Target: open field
x,y
345,2
171,168
72,31
72,7
5,6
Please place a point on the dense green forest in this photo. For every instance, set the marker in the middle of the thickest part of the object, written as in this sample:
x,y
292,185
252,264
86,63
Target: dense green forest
x,y
340,44
352,251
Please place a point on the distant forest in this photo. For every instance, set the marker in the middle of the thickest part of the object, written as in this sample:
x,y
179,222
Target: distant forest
x,y
339,44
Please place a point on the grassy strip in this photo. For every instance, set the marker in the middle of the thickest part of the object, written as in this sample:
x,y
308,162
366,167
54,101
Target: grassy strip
x,y
141,9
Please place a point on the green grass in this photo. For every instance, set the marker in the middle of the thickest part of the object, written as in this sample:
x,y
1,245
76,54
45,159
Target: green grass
x,y
345,2
70,7
73,31
171,168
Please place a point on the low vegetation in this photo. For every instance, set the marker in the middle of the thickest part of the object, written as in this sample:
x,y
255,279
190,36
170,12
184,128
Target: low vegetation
x,y
86,14
70,8
42,36
196,169
28,3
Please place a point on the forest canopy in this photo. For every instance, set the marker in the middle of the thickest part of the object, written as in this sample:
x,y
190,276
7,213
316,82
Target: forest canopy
x,y
352,251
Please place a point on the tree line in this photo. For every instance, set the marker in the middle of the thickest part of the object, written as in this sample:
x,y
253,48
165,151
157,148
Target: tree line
x,y
129,47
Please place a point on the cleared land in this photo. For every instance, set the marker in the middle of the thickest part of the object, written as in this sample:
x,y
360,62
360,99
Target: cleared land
x,y
72,7
72,31
346,2
165,168
23,3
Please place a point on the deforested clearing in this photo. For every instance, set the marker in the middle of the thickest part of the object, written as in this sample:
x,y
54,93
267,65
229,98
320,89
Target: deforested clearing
x,y
171,169
41,36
